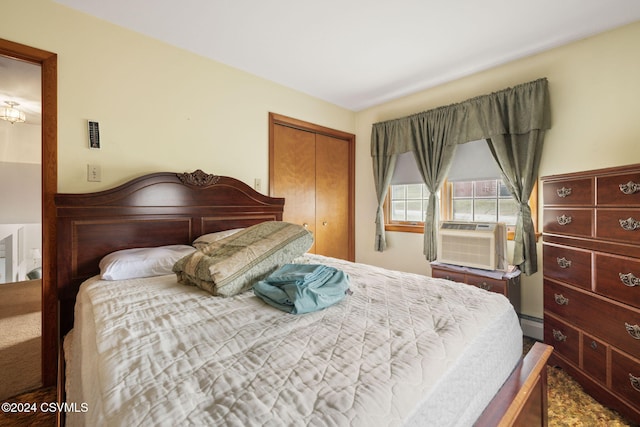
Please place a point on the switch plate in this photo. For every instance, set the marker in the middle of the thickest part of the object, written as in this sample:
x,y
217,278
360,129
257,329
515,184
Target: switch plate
x,y
257,184
94,173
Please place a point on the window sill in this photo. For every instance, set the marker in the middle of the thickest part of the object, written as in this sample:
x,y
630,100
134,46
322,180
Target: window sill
x,y
419,228
406,228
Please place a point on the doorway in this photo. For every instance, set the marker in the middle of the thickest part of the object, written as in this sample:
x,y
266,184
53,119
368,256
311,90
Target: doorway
x,y
49,170
20,227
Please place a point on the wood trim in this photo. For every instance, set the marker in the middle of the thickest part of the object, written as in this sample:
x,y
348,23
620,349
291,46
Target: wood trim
x,y
49,164
278,119
515,403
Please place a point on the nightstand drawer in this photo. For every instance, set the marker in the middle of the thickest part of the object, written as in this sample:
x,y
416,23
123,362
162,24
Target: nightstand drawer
x,y
567,264
625,377
618,278
487,284
447,274
564,338
568,192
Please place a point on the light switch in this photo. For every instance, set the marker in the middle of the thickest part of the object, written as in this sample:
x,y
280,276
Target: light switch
x,y
257,184
94,173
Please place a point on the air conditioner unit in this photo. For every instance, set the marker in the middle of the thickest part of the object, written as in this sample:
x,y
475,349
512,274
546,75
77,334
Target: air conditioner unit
x,y
473,244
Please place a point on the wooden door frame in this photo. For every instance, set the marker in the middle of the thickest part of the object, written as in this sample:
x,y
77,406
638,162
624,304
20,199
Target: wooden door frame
x,y
48,62
278,119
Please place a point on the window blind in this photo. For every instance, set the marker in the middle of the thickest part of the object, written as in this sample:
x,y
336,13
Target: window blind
x,y
473,162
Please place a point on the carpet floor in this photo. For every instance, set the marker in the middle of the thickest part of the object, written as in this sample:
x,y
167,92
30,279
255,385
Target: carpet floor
x,y
20,337
569,405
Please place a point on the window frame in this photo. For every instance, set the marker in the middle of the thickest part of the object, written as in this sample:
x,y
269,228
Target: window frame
x,y
446,192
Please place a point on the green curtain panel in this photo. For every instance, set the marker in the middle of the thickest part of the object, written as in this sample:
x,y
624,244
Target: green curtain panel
x,y
512,121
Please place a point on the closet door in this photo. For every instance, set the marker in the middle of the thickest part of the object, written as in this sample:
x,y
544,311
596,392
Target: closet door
x,y
294,159
312,167
332,197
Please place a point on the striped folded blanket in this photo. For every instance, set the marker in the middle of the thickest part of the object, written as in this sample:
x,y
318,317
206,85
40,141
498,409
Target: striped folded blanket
x,y
232,265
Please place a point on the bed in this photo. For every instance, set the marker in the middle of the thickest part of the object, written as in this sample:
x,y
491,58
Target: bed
x,y
400,349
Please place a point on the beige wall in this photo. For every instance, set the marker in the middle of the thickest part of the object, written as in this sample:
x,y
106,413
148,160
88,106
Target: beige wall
x,y
594,89
159,108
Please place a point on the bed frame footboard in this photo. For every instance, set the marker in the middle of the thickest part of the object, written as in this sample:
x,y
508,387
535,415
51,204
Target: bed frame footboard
x,y
522,400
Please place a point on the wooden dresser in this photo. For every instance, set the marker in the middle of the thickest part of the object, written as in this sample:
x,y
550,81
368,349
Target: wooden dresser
x,y
506,284
591,267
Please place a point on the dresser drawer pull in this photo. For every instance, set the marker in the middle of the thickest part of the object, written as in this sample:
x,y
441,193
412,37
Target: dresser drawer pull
x,y
563,219
559,336
594,345
635,382
629,224
630,187
629,279
563,262
561,299
564,192
634,330
486,286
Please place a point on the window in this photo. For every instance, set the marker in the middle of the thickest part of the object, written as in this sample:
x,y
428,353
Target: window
x,y
474,192
486,200
408,203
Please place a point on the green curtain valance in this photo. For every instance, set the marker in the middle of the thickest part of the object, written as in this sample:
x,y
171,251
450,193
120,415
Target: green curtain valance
x,y
516,110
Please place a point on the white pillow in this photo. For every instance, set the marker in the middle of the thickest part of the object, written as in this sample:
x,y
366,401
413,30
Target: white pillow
x,y
205,239
142,262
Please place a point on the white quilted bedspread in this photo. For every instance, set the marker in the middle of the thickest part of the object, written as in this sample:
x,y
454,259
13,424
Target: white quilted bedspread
x,y
170,354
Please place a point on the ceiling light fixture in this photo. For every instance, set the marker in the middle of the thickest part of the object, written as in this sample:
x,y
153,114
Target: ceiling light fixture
x,y
11,113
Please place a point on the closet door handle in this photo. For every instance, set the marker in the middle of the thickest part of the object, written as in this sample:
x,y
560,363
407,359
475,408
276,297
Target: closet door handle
x,y
630,187
305,225
324,223
629,279
629,224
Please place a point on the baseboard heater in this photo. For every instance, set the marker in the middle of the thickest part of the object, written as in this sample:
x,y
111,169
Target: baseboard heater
x,y
532,327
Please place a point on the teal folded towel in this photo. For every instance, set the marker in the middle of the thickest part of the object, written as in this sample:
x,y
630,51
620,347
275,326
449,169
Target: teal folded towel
x,y
303,288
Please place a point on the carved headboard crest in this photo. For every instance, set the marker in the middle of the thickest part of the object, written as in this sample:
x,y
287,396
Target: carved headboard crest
x,y
198,178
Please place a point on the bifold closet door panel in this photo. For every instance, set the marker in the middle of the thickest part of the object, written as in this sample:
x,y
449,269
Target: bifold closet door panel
x,y
332,197
295,180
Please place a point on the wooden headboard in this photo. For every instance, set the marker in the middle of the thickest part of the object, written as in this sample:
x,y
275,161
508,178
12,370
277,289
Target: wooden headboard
x,y
152,210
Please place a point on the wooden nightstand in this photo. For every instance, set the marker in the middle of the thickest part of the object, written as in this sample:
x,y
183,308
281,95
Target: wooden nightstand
x,y
507,284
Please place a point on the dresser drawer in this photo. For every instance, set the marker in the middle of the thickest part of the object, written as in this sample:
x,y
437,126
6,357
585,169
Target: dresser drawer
x,y
564,338
594,358
567,264
569,192
620,190
616,323
618,278
625,377
573,222
487,284
621,225
446,274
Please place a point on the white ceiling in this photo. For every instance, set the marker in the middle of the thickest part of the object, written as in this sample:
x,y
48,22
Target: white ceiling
x,y
359,53
21,82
